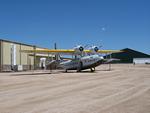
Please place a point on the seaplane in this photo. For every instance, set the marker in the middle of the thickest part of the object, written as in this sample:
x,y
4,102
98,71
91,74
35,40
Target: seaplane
x,y
81,58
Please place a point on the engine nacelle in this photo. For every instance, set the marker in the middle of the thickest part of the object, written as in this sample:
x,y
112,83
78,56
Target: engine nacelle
x,y
94,49
79,49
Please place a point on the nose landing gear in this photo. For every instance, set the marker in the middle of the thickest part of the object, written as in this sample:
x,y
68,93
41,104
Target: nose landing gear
x,y
93,69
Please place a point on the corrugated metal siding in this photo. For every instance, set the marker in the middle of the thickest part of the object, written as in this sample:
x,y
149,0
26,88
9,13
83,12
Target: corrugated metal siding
x,y
17,54
1,60
21,58
6,53
24,59
24,56
31,60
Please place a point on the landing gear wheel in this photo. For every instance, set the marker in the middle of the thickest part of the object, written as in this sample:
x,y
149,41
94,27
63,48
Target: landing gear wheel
x,y
66,70
92,69
78,70
80,67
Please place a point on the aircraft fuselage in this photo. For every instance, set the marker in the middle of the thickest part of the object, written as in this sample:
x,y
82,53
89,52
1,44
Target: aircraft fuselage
x,y
86,62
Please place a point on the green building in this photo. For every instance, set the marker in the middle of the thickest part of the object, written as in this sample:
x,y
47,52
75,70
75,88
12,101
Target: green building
x,y
128,54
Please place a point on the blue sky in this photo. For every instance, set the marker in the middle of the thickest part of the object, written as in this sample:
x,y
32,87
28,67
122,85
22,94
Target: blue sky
x,y
114,24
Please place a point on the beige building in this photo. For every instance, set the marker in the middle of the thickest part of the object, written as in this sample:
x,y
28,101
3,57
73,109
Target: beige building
x,y
11,59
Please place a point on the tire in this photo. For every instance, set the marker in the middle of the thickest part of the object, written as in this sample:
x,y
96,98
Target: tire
x,y
66,70
92,69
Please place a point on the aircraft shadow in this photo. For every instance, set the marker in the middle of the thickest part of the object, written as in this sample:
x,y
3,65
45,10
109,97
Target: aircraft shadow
x,y
105,70
30,74
58,72
79,72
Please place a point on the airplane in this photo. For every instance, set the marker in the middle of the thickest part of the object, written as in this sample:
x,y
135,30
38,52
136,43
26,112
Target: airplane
x,y
83,59
85,62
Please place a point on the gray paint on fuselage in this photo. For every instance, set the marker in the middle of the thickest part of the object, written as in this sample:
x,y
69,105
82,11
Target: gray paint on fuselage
x,y
87,62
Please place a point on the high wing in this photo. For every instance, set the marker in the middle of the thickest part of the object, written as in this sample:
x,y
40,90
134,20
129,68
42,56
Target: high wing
x,y
104,51
67,51
51,51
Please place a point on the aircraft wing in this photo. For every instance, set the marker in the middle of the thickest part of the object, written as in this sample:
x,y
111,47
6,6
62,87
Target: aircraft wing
x,y
51,51
104,51
67,51
109,51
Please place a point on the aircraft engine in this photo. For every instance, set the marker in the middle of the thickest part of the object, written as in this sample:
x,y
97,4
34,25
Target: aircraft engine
x,y
94,49
79,49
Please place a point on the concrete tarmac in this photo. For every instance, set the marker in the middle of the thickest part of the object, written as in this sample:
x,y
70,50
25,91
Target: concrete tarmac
x,y
124,89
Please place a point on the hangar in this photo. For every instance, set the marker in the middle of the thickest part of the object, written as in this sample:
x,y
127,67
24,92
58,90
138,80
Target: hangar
x,y
12,59
128,55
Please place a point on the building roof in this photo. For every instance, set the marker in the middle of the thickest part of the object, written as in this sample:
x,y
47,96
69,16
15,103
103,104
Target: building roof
x,y
9,41
128,50
128,54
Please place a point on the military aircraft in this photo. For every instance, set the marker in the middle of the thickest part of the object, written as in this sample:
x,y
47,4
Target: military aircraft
x,y
83,59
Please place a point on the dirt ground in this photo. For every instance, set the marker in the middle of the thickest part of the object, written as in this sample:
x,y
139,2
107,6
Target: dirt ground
x,y
124,89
